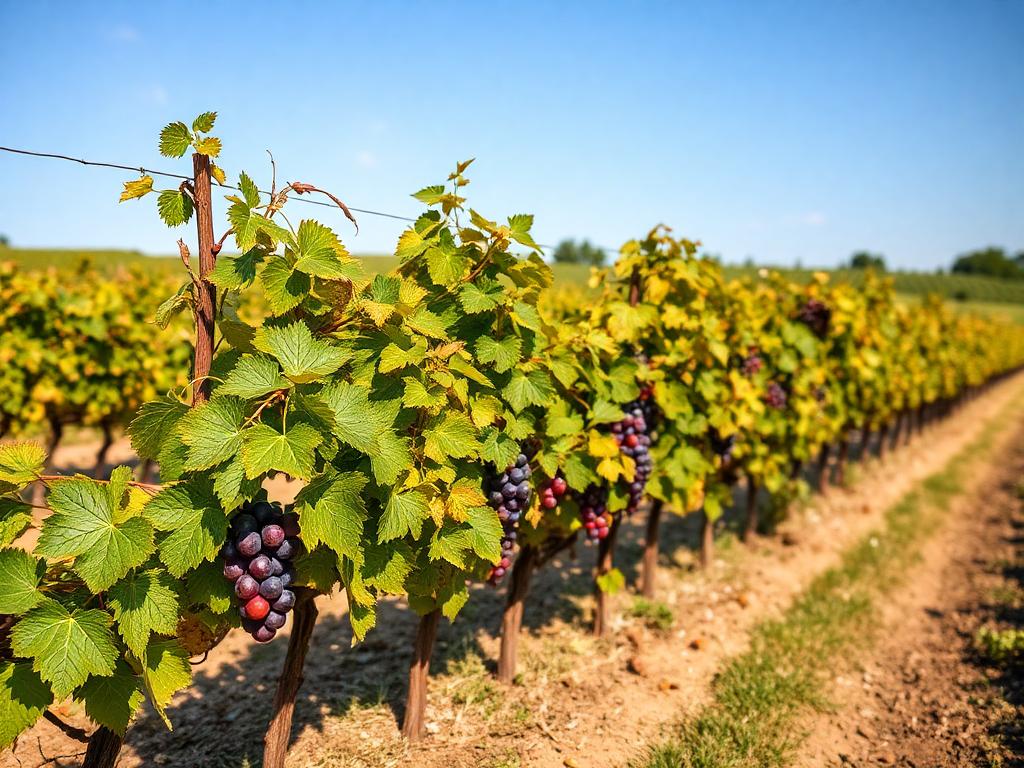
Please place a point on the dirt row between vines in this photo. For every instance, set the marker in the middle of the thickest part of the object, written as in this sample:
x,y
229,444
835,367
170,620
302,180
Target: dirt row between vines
x,y
579,702
923,695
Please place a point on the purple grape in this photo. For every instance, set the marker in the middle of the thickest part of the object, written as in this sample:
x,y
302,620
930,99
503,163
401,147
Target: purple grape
x,y
246,587
285,602
264,512
287,577
287,550
234,569
260,567
273,535
264,634
275,620
249,544
290,523
244,523
229,550
276,567
271,589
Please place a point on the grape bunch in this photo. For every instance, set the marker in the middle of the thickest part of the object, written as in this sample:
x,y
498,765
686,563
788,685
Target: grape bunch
x,y
775,396
634,439
816,316
594,512
552,491
257,558
752,363
508,494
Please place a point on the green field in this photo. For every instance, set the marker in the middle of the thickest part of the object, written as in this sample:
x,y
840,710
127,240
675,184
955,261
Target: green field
x,y
982,294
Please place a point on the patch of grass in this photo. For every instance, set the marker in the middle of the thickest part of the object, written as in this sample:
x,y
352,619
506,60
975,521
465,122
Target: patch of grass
x,y
1000,645
655,614
761,694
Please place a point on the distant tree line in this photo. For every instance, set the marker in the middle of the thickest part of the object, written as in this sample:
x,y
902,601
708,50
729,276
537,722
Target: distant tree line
x,y
582,252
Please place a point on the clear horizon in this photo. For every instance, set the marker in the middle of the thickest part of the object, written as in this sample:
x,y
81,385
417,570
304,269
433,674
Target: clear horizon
x,y
780,132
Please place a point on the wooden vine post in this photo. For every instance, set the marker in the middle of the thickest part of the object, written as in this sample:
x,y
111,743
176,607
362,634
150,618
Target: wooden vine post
x,y
649,573
606,546
275,741
419,673
707,540
512,616
750,523
824,469
105,744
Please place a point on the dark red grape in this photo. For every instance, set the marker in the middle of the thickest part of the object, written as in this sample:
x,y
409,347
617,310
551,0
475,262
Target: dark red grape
x,y
264,634
285,602
233,569
246,587
260,567
244,523
287,550
273,535
249,544
275,620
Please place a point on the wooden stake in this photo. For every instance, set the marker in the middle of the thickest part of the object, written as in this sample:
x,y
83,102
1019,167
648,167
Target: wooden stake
x,y
206,298
750,528
824,469
707,542
649,572
275,742
512,617
419,672
605,555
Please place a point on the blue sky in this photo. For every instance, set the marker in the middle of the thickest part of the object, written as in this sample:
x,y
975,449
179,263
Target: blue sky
x,y
781,131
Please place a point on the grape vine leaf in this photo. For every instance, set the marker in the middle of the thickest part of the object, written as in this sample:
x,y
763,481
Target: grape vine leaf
x,y
137,188
195,523
206,585
253,376
20,573
292,452
65,647
320,254
23,698
87,525
155,420
165,671
386,566
212,432
499,449
446,262
302,357
283,285
526,389
209,146
426,322
393,357
144,603
113,700
450,435
504,354
481,296
175,139
204,122
174,207
332,510
404,512
20,464
234,271
15,517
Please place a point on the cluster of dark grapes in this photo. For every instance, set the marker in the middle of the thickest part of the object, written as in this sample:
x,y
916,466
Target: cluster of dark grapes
x,y
257,557
509,495
633,434
594,512
722,445
752,363
775,396
820,394
552,491
816,316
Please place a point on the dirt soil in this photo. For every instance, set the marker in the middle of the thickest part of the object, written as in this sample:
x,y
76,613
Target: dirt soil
x,y
925,696
575,692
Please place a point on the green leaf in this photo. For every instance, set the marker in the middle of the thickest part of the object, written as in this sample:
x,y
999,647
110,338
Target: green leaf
x,y
386,566
66,647
449,543
212,432
204,123
526,316
317,568
284,287
232,486
165,671
390,457
485,533
302,357
253,376
393,357
21,463
236,271
20,574
15,517
357,421
154,422
481,296
404,513
171,307
23,698
84,525
525,389
611,582
446,263
321,254
206,585
174,207
453,599
113,700
194,520
504,353
175,139
451,435
292,452
498,448
137,188
426,322
418,396
430,195
332,511
143,604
